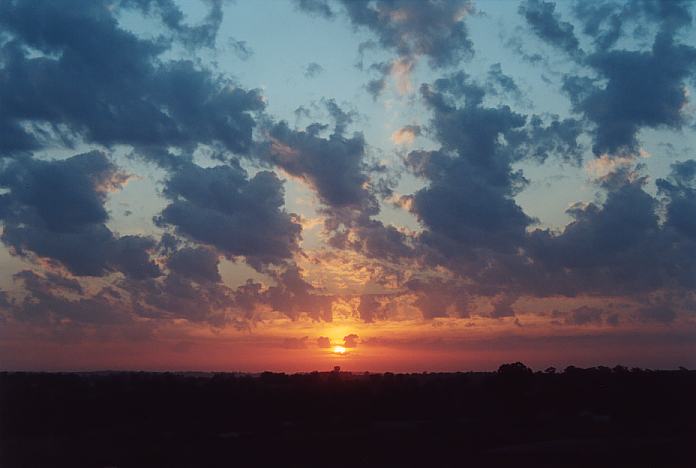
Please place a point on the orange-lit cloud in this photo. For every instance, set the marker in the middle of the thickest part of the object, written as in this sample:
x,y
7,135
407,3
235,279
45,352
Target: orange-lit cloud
x,y
405,135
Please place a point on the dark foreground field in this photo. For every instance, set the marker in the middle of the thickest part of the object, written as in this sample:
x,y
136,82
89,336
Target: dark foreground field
x,y
579,418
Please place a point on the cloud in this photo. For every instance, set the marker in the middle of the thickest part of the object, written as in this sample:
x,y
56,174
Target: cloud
x,y
240,48
585,316
406,135
323,342
46,305
313,69
546,24
680,189
351,341
316,7
658,313
436,297
295,343
499,82
657,76
196,263
172,17
240,216
335,167
113,89
617,248
429,28
55,210
371,309
293,295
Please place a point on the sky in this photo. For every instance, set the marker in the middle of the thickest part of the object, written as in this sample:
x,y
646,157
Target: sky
x,y
383,185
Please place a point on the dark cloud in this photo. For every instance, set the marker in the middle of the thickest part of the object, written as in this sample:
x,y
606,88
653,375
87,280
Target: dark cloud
x,y
196,263
46,303
240,216
293,295
112,89
546,24
335,167
642,89
176,296
626,90
468,202
680,189
617,248
55,210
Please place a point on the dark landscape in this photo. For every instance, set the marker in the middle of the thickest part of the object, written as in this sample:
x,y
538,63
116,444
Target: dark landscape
x,y
513,417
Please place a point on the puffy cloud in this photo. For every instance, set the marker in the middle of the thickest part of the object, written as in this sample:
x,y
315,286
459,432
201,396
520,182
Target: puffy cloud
x,y
334,167
468,202
657,76
55,210
112,89
617,248
240,216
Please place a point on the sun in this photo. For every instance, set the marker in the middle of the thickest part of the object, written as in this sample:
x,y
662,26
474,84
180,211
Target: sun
x,y
339,350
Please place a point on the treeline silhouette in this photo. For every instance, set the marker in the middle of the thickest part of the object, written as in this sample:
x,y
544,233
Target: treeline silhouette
x,y
593,417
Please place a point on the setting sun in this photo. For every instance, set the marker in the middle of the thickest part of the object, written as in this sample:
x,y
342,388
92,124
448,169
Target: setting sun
x,y
339,350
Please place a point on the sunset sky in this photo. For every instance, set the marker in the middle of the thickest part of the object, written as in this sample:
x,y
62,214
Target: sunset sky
x,y
382,185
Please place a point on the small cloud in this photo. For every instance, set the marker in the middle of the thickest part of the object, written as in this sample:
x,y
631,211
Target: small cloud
x,y
240,48
406,135
351,341
313,69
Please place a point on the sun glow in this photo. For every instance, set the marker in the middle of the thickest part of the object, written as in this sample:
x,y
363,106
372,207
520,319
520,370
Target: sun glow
x,y
339,350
